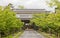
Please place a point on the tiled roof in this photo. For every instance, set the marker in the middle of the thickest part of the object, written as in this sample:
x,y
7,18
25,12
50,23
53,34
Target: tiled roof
x,y
29,10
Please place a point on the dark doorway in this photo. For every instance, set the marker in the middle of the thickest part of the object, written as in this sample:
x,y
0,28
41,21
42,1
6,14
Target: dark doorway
x,y
26,24
26,21
29,26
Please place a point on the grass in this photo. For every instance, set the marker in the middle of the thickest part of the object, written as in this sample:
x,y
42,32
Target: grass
x,y
10,36
48,35
16,35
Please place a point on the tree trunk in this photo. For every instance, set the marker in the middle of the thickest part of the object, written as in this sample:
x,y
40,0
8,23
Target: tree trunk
x,y
0,35
58,36
50,31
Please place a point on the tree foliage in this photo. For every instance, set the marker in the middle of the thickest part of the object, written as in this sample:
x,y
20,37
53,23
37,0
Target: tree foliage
x,y
8,21
48,22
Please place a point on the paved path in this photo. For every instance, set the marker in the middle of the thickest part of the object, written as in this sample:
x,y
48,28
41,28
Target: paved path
x,y
31,34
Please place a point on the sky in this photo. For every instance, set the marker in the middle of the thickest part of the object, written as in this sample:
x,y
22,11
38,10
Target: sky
x,y
28,4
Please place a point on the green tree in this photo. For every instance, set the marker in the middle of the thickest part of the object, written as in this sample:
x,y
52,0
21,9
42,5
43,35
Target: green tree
x,y
8,21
